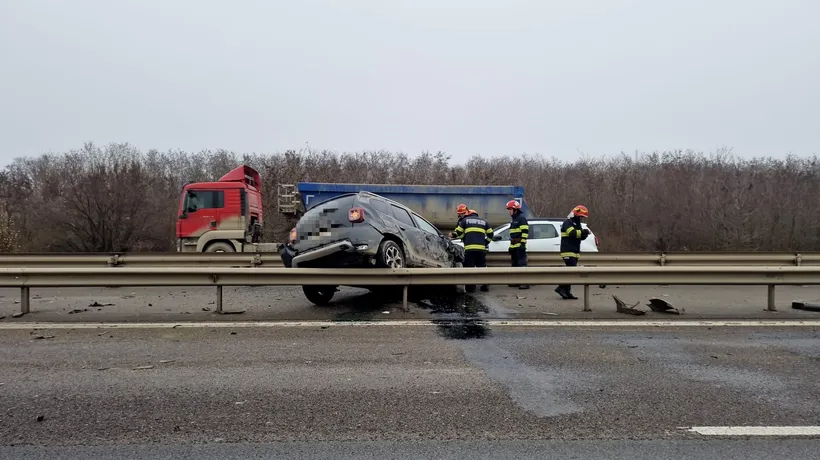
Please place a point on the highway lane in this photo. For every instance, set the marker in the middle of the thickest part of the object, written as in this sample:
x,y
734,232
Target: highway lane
x,y
91,389
441,450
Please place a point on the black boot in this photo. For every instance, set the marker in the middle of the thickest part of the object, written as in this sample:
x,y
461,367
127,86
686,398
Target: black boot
x,y
524,286
485,288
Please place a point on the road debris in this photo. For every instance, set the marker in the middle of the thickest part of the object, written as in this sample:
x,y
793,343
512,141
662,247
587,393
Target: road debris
x,y
97,304
140,368
18,315
806,306
166,361
662,306
622,307
77,310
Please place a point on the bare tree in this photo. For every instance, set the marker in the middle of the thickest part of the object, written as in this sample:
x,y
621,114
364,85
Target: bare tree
x,y
116,198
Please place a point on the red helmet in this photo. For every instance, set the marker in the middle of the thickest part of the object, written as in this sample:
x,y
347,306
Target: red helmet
x,y
513,204
462,209
580,210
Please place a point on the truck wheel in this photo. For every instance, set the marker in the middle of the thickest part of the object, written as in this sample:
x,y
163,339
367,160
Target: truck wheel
x,y
391,255
319,295
219,247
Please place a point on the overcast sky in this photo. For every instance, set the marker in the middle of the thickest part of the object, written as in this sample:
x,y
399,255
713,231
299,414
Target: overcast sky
x,y
559,78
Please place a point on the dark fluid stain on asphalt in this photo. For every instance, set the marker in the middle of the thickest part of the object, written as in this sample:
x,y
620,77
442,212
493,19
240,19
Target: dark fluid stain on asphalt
x,y
458,316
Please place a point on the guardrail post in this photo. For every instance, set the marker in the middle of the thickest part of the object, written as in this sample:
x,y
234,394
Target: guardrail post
x,y
404,306
219,299
25,300
587,300
770,299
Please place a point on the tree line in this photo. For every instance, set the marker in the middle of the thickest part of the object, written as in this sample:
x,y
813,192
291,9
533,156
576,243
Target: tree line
x,y
118,198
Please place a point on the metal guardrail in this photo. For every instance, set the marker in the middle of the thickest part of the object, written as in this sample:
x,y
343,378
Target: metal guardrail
x,y
26,278
271,259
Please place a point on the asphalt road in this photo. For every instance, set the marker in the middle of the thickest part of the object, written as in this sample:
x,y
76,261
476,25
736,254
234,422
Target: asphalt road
x,y
289,303
442,450
591,392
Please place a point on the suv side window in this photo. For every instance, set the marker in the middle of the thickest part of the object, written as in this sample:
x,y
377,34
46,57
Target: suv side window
x,y
424,225
543,231
402,215
380,206
505,235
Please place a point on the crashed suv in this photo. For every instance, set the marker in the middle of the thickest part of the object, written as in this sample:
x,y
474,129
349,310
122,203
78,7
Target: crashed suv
x,y
359,230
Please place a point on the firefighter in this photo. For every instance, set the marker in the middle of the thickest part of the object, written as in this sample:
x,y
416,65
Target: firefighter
x,y
476,235
571,236
461,211
519,231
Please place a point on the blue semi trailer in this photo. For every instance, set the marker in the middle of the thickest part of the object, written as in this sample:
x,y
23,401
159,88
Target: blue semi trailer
x,y
436,203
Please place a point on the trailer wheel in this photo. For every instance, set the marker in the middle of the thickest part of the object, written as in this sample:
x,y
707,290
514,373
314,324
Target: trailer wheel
x,y
319,295
219,246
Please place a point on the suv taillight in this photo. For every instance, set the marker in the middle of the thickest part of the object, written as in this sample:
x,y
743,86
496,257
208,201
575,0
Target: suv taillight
x,y
597,243
292,236
355,215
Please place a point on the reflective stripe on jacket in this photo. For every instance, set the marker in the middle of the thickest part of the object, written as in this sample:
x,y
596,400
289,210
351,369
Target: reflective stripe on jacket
x,y
475,232
519,231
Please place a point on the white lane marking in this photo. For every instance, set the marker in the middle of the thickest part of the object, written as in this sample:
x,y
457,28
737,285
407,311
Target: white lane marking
x,y
406,323
756,430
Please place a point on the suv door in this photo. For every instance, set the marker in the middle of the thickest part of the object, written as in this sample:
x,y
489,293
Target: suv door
x,y
414,240
436,250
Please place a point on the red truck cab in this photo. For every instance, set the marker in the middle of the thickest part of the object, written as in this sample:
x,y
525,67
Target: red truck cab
x,y
221,216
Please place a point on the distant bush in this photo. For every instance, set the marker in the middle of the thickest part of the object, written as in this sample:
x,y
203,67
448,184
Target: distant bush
x,y
116,198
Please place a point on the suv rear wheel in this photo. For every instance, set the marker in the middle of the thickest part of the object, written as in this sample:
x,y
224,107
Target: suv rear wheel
x,y
319,295
391,255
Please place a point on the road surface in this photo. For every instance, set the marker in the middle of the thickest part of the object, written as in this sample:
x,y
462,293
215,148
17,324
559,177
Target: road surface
x,y
591,392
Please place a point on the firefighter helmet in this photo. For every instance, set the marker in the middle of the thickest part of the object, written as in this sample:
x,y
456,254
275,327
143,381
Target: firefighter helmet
x,y
462,209
513,204
580,210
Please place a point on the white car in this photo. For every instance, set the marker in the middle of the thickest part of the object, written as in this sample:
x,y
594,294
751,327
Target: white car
x,y
544,236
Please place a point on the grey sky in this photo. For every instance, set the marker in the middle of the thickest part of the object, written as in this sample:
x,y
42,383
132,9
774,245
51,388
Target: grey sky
x,y
463,76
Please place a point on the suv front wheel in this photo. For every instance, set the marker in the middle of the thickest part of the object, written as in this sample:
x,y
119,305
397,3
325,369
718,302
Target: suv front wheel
x,y
319,295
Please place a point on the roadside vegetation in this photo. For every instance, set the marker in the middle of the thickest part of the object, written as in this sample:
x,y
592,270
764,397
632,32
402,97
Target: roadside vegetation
x,y
117,198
